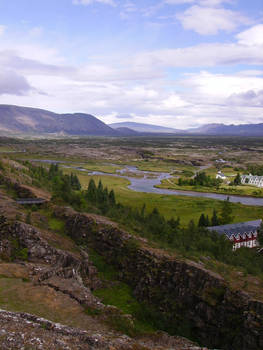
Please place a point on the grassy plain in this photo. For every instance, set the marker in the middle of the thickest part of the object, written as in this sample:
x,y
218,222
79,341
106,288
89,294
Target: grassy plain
x,y
177,155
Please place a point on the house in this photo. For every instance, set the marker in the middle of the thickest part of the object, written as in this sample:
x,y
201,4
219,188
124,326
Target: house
x,y
253,180
220,175
242,234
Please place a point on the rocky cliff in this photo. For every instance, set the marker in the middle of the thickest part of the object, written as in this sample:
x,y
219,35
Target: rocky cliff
x,y
72,277
188,298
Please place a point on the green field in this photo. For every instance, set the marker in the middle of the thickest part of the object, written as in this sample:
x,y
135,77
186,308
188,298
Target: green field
x,y
241,190
186,208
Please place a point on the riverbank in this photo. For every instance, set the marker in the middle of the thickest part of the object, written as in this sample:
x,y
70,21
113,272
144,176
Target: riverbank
x,y
241,190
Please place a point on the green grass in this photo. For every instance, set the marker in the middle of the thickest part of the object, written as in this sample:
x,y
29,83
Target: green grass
x,y
120,295
241,190
187,208
56,225
105,270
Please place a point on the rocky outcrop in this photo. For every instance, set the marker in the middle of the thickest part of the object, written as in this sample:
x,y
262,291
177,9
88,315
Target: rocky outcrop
x,y
20,190
65,272
188,298
20,331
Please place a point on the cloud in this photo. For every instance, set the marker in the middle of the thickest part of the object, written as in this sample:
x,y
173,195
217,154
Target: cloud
x,y
13,84
2,29
249,98
210,20
203,55
252,36
89,2
124,116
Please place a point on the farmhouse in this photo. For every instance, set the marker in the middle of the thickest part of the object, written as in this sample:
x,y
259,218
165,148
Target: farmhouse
x,y
242,234
252,180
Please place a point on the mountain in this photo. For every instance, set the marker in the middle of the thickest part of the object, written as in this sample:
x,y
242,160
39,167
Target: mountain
x,y
15,119
231,130
127,131
145,128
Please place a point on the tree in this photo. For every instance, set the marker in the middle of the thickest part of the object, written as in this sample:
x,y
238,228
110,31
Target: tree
x,y
226,213
92,191
112,198
237,180
207,221
214,219
202,221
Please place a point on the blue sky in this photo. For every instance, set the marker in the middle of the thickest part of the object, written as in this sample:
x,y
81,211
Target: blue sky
x,y
178,63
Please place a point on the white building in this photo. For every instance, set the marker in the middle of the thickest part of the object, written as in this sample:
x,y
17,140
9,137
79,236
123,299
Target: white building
x,y
220,175
242,234
253,180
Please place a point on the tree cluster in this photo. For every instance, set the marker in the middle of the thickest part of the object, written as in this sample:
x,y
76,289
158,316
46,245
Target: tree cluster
x,y
200,179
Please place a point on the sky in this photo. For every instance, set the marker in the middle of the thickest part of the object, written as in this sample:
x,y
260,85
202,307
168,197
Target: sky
x,y
176,63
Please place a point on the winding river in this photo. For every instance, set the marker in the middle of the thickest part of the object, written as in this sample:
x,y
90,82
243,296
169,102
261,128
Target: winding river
x,y
146,182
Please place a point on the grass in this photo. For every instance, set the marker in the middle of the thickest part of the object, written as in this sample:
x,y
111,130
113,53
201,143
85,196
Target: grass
x,y
120,295
56,225
241,190
20,296
187,208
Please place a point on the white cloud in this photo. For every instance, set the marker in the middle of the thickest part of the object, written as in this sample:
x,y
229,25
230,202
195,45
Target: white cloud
x,y
221,86
210,20
2,29
251,37
137,85
89,2
203,55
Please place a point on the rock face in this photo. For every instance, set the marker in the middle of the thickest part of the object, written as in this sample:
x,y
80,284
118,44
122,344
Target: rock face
x,y
53,267
189,299
74,276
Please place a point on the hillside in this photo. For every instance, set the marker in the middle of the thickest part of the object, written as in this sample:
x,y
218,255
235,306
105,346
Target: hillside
x,y
24,120
88,273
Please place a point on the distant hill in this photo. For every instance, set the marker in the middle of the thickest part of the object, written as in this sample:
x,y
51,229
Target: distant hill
x,y
231,130
144,128
24,120
127,131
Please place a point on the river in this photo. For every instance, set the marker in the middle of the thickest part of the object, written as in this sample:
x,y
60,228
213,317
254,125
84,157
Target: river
x,y
146,183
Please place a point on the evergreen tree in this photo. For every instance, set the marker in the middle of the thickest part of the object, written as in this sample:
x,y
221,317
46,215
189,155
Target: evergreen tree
x,y
207,222
75,184
214,219
112,198
226,213
202,221
100,194
92,191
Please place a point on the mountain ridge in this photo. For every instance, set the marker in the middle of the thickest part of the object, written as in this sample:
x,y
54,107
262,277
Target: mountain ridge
x,y
16,119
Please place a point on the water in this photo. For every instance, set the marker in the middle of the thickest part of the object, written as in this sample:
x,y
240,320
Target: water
x,y
146,183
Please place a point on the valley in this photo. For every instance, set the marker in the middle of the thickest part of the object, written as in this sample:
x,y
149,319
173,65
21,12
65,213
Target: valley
x,y
111,260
